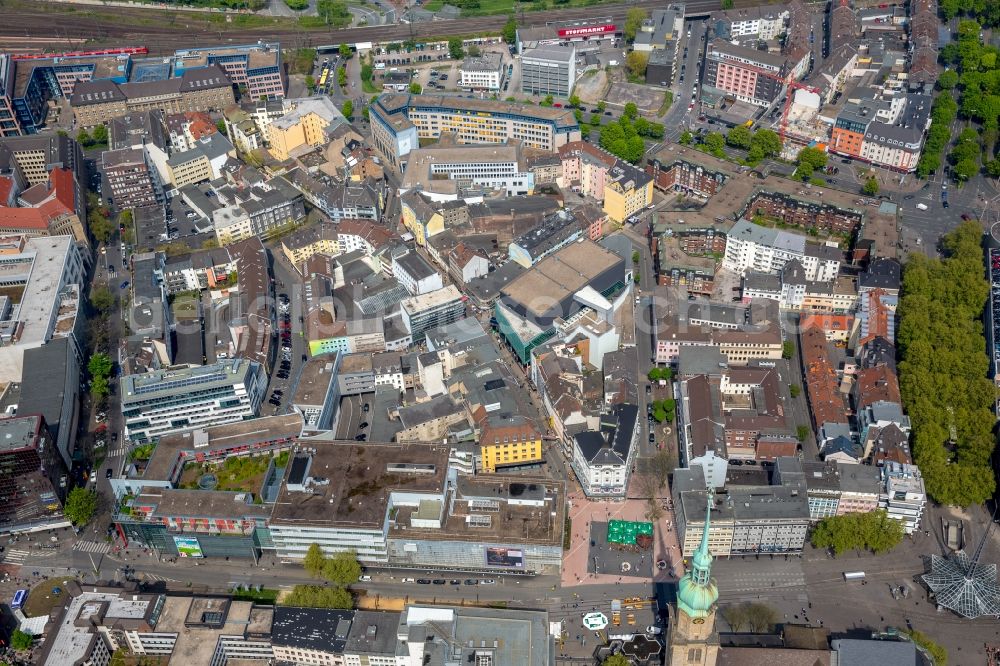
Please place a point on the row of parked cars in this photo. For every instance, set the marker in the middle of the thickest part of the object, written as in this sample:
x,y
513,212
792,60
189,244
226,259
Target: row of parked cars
x,y
454,581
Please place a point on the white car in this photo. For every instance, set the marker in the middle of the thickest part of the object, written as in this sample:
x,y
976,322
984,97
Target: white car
x,y
655,631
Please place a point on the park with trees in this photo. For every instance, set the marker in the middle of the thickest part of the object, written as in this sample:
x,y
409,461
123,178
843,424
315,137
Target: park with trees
x,y
873,531
624,138
975,74
943,369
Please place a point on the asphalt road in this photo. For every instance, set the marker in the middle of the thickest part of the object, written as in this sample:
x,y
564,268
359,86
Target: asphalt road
x,y
678,118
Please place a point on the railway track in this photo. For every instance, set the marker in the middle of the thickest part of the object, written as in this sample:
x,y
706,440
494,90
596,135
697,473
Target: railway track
x,y
54,29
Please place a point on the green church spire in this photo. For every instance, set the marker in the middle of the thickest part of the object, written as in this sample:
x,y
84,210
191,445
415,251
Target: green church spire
x,y
696,591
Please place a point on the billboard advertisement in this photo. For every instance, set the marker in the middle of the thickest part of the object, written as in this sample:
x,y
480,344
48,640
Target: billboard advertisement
x,y
587,31
505,557
188,547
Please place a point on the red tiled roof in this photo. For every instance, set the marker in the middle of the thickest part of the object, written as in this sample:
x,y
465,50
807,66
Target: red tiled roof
x,y
828,322
875,384
200,125
825,399
15,219
64,184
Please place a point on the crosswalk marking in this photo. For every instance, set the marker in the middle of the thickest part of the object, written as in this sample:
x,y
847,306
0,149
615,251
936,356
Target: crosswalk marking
x,y
120,451
92,546
15,556
156,578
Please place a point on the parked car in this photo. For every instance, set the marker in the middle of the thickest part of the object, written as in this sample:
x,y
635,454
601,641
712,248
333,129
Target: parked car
x,y
108,473
423,581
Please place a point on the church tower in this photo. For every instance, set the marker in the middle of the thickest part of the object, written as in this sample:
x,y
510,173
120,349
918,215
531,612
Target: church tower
x,y
693,641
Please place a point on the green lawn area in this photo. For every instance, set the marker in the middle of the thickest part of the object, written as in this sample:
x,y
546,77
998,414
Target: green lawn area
x,y
265,596
41,601
493,7
240,474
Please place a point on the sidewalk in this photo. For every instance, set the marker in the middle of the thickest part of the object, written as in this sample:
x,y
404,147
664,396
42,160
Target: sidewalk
x,y
584,512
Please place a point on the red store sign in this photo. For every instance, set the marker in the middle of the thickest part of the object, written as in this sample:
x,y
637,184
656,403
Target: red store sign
x,y
587,31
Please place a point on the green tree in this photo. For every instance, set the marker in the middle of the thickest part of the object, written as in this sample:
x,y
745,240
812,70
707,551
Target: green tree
x,y
634,18
656,374
727,4
764,143
631,111
220,126
739,137
102,299
874,531
802,432
99,368
509,30
548,101
100,135
616,660
602,106
317,596
416,89
686,138
574,101
345,51
787,349
947,80
794,390
99,365
808,160
870,187
347,109
100,227
333,13
342,77
81,504
595,119
84,138
342,569
455,48
20,640
310,82
965,168
314,561
637,61
297,5
715,144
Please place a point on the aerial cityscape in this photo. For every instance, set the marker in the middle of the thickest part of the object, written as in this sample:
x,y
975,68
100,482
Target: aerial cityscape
x,y
501,333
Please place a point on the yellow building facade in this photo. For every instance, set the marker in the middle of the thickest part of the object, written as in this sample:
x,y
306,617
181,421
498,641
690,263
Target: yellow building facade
x,y
421,229
509,442
624,198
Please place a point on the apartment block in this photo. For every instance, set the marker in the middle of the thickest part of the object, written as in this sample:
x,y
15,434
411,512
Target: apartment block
x,y
256,69
200,89
133,184
437,308
548,70
174,400
765,250
740,333
505,442
483,72
307,123
398,121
